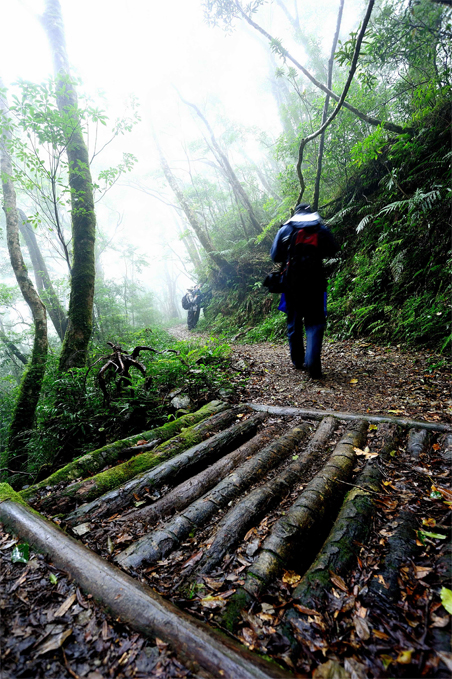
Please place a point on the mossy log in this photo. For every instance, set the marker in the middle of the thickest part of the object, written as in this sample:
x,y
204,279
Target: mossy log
x,y
93,462
342,545
248,512
171,471
352,417
136,604
185,493
384,586
158,544
89,489
308,511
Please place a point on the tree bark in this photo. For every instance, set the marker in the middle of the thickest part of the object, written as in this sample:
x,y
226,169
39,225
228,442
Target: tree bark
x,y
353,417
80,316
98,459
315,201
42,278
158,544
30,388
248,512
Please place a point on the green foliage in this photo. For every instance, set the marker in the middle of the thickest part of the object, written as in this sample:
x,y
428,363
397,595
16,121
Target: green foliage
x,y
72,416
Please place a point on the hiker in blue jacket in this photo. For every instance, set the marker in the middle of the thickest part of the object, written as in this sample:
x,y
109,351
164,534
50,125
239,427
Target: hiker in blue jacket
x,y
301,244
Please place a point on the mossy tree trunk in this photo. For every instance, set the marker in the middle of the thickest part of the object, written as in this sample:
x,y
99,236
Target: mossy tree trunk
x,y
43,281
30,387
80,317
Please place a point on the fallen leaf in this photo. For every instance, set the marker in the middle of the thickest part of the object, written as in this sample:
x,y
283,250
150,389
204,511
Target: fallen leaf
x,y
338,581
213,584
53,579
380,635
306,611
361,627
213,602
446,657
429,522
20,553
422,571
65,606
446,599
141,442
386,660
354,381
331,670
54,642
437,621
193,559
404,657
291,578
82,528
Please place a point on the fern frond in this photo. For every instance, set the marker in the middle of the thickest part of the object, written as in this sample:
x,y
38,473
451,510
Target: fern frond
x,y
363,223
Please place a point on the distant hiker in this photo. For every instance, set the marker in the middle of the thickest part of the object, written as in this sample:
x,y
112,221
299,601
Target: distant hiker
x,y
301,244
192,302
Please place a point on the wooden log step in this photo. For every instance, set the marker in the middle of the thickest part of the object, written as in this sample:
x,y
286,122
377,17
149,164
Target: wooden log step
x,y
384,586
418,440
134,603
248,512
154,546
170,471
84,491
93,462
308,511
185,493
352,417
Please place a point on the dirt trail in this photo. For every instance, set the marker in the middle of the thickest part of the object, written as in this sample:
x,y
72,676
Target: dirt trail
x,y
359,377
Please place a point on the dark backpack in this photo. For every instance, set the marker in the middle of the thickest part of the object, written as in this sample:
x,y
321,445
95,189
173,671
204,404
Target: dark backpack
x,y
304,264
185,302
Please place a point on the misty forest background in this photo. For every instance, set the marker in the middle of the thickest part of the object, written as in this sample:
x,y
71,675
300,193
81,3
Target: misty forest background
x,y
114,205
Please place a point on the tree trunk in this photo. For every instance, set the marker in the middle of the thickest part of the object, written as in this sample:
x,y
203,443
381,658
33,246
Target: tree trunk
x,y
185,493
80,316
202,236
315,202
228,170
11,346
43,282
247,513
311,508
30,387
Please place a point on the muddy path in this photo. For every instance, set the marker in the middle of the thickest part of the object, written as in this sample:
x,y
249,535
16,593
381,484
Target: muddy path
x,y
359,377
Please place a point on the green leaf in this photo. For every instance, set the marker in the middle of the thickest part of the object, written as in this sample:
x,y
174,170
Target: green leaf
x,y
295,457
20,553
53,579
431,535
446,599
436,495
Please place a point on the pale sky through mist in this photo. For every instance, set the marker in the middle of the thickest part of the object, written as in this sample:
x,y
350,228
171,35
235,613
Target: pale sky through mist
x,y
144,47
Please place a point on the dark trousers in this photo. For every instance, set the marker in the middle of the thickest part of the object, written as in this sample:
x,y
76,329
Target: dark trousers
x,y
307,314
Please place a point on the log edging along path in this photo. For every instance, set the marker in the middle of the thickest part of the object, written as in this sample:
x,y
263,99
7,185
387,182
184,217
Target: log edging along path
x,y
352,417
98,459
133,602
170,470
